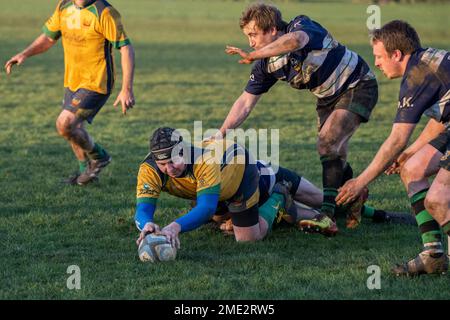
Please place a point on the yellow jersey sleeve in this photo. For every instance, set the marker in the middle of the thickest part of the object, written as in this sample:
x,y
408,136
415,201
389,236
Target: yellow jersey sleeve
x,y
112,28
52,28
208,176
149,185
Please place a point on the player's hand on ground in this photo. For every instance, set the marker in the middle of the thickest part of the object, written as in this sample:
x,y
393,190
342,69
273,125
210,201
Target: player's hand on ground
x,y
171,232
351,190
17,59
126,100
246,57
397,165
149,227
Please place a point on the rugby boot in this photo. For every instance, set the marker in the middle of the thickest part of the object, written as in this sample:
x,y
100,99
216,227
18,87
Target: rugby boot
x,y
426,262
93,169
320,224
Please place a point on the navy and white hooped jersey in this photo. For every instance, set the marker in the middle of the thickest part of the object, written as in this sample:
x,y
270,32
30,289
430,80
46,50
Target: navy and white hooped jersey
x,y
323,65
267,177
425,88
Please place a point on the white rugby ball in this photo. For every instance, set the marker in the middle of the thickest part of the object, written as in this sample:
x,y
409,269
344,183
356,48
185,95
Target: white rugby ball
x,y
155,248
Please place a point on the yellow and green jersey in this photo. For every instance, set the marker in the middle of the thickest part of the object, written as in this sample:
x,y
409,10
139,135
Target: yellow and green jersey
x,y
217,169
88,35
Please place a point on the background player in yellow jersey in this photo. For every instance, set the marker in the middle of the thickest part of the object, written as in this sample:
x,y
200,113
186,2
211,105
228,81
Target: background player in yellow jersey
x,y
89,30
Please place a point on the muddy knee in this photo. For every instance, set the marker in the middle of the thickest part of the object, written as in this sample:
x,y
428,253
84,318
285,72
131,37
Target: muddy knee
x,y
327,147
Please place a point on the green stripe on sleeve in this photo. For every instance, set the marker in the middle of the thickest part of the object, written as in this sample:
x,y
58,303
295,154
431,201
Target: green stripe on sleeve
x,y
120,44
211,190
55,35
93,9
146,200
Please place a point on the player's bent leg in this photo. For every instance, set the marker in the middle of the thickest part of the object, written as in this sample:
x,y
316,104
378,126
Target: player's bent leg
x,y
84,104
248,226
416,170
437,201
70,127
414,175
334,134
308,194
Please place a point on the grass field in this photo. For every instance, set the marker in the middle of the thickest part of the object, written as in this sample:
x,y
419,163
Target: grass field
x,y
183,75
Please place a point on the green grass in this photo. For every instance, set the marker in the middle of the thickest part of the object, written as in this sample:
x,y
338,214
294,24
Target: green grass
x,y
183,75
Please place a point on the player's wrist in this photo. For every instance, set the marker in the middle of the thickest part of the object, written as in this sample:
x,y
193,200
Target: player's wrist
x,y
363,180
252,55
127,88
221,134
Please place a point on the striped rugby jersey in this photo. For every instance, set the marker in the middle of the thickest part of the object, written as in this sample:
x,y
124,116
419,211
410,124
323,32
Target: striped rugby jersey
x,y
425,87
323,66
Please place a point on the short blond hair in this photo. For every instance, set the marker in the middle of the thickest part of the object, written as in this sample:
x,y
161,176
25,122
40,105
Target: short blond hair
x,y
265,16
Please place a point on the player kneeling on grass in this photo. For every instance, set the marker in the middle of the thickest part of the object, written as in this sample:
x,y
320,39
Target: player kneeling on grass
x,y
221,171
306,205
227,185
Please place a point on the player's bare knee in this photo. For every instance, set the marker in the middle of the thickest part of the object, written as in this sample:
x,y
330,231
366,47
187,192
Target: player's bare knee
x,y
436,200
60,128
247,234
247,237
65,129
411,171
327,146
328,150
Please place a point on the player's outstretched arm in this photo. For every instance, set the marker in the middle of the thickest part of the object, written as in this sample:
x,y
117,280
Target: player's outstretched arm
x,y
387,153
239,112
202,212
126,95
288,42
39,45
144,220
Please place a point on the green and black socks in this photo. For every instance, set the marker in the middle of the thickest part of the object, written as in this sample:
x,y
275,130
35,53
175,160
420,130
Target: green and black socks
x,y
97,152
268,211
429,228
446,229
332,177
374,214
83,165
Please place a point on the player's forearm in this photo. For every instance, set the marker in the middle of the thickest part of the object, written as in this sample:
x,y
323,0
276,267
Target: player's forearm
x,y
288,42
387,153
431,131
200,214
127,60
40,45
144,213
239,112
